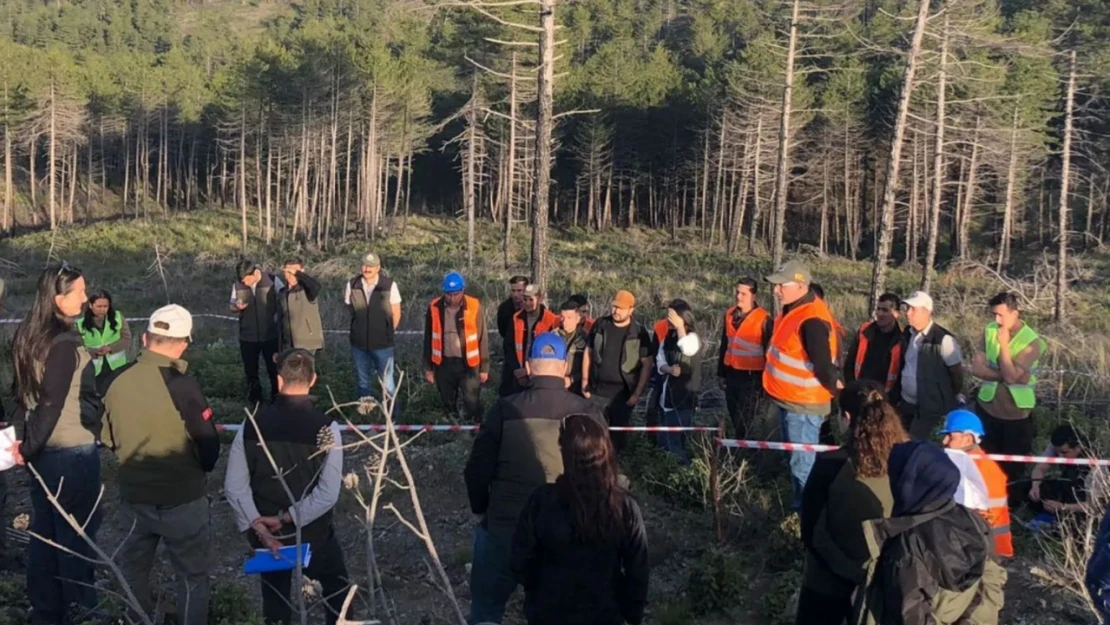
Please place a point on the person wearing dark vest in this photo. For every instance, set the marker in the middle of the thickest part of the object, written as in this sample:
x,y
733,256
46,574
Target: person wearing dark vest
x,y
572,330
106,335
57,423
375,304
745,335
876,352
679,361
255,299
301,327
456,348
931,378
618,364
530,321
160,426
305,445
510,306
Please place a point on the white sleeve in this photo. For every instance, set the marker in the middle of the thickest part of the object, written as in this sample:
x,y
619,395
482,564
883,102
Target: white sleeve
x,y
347,295
278,284
237,484
950,351
234,295
394,295
660,360
689,344
325,494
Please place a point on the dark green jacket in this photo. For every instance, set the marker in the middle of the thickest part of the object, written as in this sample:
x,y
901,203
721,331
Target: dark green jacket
x,y
637,345
300,315
937,385
259,321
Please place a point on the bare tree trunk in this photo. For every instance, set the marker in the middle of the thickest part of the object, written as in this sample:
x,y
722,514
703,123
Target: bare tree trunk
x,y
720,175
9,196
938,166
472,120
823,235
510,175
756,212
241,176
52,159
1008,206
969,193
705,173
544,89
1060,311
783,166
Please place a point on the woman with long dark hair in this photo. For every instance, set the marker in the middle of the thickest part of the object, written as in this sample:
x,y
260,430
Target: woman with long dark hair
x,y
855,477
106,334
679,362
580,550
57,423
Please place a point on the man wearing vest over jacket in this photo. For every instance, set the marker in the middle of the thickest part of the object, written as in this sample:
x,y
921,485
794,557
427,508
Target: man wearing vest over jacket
x,y
301,327
876,354
530,321
375,304
963,431
745,334
1007,367
801,376
255,298
617,364
160,426
456,348
305,445
931,379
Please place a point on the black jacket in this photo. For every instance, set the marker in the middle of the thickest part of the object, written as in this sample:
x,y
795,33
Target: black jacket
x,y
681,390
569,582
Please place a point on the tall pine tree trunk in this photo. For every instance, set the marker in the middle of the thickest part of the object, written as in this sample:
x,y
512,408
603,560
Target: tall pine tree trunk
x,y
544,122
1060,310
782,169
938,167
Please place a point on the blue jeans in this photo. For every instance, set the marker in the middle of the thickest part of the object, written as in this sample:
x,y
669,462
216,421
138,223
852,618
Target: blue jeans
x,y
491,577
800,428
1097,578
57,580
675,442
371,363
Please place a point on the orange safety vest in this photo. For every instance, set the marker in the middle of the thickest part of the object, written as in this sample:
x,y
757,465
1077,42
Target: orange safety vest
x,y
745,342
788,375
997,514
895,357
662,328
472,308
547,322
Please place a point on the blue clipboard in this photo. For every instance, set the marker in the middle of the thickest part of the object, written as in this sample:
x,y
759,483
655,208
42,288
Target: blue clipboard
x,y
263,561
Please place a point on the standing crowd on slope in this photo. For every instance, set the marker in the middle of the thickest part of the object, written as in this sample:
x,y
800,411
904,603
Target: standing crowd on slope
x,y
897,528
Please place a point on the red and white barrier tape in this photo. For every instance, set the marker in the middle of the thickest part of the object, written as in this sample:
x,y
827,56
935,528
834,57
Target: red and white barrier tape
x,y
378,427
775,446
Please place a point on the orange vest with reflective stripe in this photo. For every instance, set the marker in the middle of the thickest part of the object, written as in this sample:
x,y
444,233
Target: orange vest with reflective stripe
x,y
547,322
471,310
662,328
788,374
895,357
998,513
745,342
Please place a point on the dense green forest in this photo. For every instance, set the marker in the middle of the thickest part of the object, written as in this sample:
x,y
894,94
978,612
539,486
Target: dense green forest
x,y
331,118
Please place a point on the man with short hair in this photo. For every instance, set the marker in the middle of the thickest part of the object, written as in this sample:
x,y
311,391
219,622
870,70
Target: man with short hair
x,y
160,426
1070,489
800,376
254,297
301,327
305,445
375,304
1007,367
931,375
510,306
572,330
876,353
515,452
530,321
745,334
617,364
583,304
963,431
456,348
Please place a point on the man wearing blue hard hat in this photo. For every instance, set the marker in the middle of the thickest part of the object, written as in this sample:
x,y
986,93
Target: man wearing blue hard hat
x,y
963,431
456,348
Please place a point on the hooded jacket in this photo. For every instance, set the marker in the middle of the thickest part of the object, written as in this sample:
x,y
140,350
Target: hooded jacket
x,y
931,563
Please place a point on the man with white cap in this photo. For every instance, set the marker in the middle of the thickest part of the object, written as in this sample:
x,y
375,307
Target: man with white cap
x,y
158,422
932,379
375,305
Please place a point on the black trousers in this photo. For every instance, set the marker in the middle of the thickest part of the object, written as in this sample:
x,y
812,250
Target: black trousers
x,y
617,413
654,415
326,567
1011,438
251,352
456,380
815,608
743,397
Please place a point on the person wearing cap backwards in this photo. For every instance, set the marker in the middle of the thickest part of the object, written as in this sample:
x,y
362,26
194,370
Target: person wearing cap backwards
x,y
254,297
931,381
963,431
618,364
572,329
456,348
160,426
515,452
530,321
301,327
375,304
876,352
745,335
801,376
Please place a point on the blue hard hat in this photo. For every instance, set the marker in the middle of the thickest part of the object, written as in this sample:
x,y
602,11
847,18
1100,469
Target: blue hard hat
x,y
960,421
453,282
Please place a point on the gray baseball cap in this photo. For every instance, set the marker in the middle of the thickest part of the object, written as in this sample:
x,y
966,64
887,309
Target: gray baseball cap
x,y
791,271
371,260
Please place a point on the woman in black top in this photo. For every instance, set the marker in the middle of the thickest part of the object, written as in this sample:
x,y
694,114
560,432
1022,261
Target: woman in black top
x,y
580,550
679,362
57,423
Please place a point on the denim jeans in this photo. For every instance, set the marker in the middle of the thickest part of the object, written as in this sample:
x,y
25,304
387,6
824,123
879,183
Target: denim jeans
x,y
491,577
800,428
1097,578
675,442
369,364
56,580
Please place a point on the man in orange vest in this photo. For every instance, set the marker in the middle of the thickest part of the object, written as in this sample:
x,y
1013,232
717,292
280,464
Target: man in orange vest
x,y
876,353
456,348
531,320
800,376
964,431
745,334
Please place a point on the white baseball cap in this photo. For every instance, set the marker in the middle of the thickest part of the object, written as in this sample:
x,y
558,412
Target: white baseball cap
x,y
919,299
172,321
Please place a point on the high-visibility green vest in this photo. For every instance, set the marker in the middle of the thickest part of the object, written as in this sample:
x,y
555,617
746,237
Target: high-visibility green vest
x,y
1025,396
95,339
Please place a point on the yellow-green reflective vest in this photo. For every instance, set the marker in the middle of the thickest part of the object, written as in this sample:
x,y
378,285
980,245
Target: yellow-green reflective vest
x,y
1025,396
95,339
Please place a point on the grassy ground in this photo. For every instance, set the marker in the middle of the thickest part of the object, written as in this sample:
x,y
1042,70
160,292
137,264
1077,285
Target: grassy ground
x,y
749,579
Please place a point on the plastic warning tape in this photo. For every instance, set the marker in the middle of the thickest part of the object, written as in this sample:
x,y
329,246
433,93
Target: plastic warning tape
x,y
378,427
774,446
